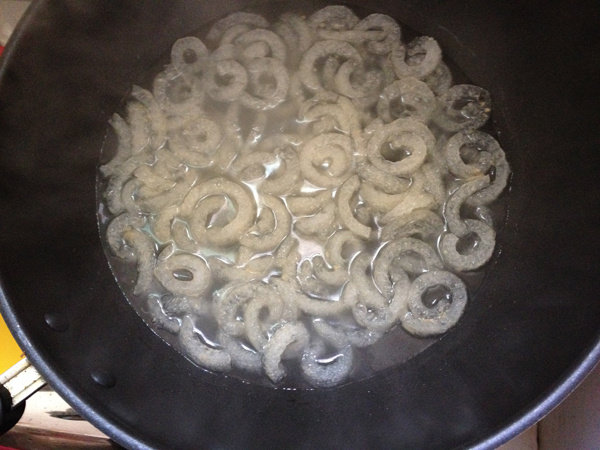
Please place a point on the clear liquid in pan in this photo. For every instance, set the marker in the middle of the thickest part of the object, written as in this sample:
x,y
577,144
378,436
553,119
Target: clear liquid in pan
x,y
394,347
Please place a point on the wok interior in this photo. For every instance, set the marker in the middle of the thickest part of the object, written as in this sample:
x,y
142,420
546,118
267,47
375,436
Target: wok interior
x,y
527,329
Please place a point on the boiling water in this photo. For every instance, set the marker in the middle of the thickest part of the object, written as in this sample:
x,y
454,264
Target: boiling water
x,y
396,345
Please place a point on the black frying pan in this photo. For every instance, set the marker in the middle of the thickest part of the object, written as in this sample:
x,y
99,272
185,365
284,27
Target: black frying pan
x,y
527,338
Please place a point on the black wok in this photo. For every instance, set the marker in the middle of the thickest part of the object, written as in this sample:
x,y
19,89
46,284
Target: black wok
x,y
528,336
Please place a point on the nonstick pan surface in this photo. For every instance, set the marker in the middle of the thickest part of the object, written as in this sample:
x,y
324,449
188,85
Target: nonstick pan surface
x,y
527,338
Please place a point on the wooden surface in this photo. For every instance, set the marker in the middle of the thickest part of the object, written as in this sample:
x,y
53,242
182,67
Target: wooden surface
x,y
50,423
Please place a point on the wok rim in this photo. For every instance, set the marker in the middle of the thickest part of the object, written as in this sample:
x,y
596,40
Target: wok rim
x,y
533,413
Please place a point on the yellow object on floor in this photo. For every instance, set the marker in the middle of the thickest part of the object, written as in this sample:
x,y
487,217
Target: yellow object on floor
x,y
10,353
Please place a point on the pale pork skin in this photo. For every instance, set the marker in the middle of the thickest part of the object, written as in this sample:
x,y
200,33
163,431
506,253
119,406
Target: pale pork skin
x,y
302,185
